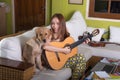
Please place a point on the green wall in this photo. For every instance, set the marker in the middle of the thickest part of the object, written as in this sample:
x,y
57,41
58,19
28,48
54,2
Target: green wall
x,y
67,10
62,6
9,16
48,12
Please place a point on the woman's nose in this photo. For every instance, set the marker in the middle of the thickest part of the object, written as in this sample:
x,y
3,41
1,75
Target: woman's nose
x,y
54,26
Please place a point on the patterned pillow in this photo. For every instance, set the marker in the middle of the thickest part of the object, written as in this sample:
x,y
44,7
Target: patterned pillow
x,y
97,37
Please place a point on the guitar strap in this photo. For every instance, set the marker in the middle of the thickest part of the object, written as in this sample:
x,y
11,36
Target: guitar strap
x,y
45,61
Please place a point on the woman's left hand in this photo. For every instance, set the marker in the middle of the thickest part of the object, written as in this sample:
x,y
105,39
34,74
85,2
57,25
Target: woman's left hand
x,y
86,41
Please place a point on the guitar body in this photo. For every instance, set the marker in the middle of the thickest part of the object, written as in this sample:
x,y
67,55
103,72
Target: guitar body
x,y
52,57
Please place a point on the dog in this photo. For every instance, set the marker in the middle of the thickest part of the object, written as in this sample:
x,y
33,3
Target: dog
x,y
33,48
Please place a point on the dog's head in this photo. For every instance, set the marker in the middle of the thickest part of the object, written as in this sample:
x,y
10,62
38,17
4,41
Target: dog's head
x,y
43,33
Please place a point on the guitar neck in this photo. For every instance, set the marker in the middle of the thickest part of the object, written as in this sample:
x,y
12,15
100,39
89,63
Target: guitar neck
x,y
73,45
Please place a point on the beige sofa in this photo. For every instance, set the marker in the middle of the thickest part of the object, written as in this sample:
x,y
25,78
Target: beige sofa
x,y
11,47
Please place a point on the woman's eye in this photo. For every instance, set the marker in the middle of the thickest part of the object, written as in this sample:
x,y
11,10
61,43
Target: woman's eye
x,y
58,23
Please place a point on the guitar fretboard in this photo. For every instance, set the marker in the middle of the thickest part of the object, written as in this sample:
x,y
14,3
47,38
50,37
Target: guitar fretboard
x,y
73,45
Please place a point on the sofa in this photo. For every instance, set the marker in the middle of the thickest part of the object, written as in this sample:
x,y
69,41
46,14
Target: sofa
x,y
11,47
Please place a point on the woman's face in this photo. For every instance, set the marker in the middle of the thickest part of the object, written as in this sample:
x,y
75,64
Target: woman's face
x,y
55,24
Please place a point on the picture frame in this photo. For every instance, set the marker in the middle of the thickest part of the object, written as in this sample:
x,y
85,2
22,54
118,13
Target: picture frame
x,y
75,2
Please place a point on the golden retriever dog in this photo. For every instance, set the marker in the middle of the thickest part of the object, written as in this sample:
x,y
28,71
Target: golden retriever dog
x,y
33,48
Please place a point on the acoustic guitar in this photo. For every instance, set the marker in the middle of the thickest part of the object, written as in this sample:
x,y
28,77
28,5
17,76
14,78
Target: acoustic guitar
x,y
57,60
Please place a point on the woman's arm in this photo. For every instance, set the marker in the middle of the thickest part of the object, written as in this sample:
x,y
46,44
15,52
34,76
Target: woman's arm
x,y
65,50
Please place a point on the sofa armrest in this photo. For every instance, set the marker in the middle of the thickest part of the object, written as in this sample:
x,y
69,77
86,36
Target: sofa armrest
x,y
10,35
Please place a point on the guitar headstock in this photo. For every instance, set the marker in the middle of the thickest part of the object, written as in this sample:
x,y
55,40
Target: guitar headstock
x,y
95,32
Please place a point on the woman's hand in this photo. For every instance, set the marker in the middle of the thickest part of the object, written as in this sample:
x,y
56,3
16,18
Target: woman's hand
x,y
86,41
66,50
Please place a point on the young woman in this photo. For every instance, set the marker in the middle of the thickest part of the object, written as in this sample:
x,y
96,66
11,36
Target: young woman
x,y
58,27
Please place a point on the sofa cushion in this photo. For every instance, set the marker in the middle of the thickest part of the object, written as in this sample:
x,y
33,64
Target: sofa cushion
x,y
76,25
114,34
110,50
97,37
26,36
85,51
10,48
63,74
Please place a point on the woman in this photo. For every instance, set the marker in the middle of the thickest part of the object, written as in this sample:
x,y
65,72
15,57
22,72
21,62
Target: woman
x,y
76,63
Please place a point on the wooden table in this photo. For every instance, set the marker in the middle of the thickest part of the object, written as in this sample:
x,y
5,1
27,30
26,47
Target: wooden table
x,y
91,63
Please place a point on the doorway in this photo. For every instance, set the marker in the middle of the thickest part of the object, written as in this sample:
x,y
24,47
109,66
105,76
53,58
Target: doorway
x,y
28,14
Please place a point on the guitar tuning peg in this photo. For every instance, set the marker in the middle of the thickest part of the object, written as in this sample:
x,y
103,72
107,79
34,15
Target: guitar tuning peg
x,y
86,33
80,37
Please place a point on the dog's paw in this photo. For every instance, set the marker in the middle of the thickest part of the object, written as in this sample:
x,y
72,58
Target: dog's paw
x,y
42,69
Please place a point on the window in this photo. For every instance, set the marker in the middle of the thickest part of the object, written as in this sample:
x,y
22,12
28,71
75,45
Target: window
x,y
109,9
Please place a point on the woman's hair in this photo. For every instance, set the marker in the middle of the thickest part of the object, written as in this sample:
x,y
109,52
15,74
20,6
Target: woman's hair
x,y
63,33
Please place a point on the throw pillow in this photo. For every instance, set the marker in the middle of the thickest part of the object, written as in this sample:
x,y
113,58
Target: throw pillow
x,y
114,34
76,25
10,48
26,36
97,37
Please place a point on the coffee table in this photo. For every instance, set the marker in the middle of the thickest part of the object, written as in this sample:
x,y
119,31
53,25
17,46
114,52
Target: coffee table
x,y
91,63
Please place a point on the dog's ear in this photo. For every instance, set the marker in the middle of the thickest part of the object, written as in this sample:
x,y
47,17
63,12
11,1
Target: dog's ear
x,y
37,32
36,35
50,34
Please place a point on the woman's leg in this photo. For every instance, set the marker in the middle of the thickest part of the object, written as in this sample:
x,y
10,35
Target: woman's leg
x,y
78,65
